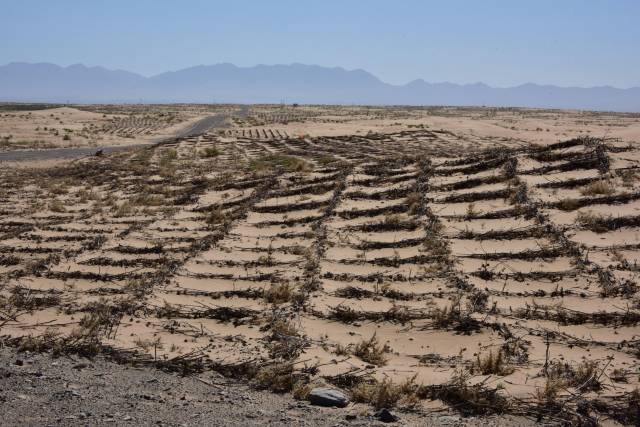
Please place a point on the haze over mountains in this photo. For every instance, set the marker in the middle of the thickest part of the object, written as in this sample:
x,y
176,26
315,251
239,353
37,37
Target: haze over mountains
x,y
309,84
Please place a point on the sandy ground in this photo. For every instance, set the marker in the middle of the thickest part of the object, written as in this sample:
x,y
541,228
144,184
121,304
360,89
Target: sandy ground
x,y
413,267
517,125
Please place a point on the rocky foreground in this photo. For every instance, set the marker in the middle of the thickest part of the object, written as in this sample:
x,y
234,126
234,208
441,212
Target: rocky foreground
x,y
39,390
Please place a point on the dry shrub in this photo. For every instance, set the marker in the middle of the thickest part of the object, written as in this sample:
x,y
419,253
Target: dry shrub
x,y
491,364
591,220
371,351
519,194
414,201
393,219
58,188
279,293
209,152
167,167
168,156
471,211
285,340
37,344
469,399
584,376
279,161
619,375
326,159
436,245
569,204
278,378
453,317
301,390
149,200
57,206
387,394
26,299
148,344
629,178
547,396
596,188
124,209
341,350
217,217
628,412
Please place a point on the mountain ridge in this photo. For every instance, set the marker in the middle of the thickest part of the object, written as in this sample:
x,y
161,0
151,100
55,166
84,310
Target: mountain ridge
x,y
301,83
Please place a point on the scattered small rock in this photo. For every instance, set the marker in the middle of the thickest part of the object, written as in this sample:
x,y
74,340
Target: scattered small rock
x,y
19,362
449,419
328,397
386,416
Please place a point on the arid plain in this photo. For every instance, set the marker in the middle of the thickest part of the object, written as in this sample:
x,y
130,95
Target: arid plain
x,y
472,260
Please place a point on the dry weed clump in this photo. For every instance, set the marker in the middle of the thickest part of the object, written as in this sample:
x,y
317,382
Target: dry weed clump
x,y
414,201
569,204
371,351
627,410
584,377
435,243
57,206
123,209
597,188
547,396
279,378
210,152
469,399
279,293
24,298
167,167
471,211
279,161
491,364
629,178
217,216
387,394
285,340
454,317
592,221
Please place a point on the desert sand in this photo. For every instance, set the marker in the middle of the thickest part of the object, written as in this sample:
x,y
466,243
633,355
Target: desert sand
x,y
478,261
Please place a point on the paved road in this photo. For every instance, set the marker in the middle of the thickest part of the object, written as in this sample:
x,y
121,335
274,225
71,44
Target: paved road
x,y
204,125
198,128
62,153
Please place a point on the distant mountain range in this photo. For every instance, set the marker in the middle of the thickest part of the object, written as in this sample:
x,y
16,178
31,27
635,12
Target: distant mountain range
x,y
304,84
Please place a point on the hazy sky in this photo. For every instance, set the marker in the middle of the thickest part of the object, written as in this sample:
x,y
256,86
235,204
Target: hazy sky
x,y
502,43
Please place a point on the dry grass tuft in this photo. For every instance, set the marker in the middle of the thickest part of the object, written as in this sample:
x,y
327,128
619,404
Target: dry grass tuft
x,y
491,364
278,378
371,351
280,293
597,188
57,206
123,209
279,161
569,204
210,152
387,394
